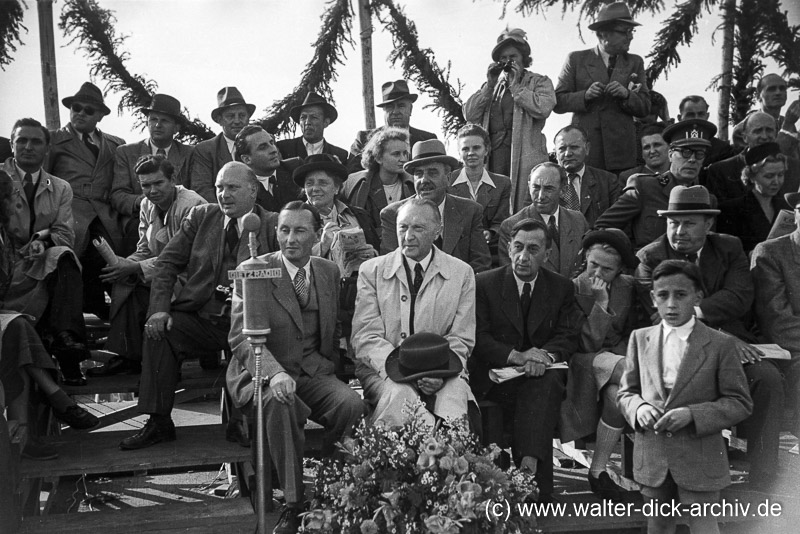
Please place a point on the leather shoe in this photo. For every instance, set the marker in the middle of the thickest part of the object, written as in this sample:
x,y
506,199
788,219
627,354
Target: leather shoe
x,y
38,450
78,418
154,431
116,366
288,522
235,433
605,488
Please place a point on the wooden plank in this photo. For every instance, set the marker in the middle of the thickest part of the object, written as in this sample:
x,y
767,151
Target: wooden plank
x,y
99,452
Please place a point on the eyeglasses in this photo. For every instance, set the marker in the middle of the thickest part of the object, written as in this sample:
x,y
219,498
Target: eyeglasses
x,y
77,108
628,31
687,153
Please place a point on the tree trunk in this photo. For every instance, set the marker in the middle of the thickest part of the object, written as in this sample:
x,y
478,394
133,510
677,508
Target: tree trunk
x,y
727,8
367,89
47,52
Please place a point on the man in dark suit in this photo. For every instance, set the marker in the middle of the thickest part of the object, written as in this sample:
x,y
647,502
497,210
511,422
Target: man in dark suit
x,y
164,120
462,219
233,114
526,318
313,115
566,226
84,156
212,240
587,190
605,88
257,149
726,306
397,105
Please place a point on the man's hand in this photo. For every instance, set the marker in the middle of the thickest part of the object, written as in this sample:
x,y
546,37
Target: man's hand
x,y
36,249
123,269
617,90
746,352
283,387
157,325
429,386
533,368
531,355
492,74
647,415
673,420
594,91
600,292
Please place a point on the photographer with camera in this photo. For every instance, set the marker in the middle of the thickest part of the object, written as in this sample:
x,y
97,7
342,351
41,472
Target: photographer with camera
x,y
512,106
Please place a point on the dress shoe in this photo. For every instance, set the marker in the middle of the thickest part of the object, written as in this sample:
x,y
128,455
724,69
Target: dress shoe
x,y
38,450
605,488
154,431
116,366
289,521
78,418
235,433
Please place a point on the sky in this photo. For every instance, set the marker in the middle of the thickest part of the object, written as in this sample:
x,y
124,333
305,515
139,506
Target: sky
x,y
192,48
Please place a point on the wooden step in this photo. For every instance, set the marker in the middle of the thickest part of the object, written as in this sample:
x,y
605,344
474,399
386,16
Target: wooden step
x,y
99,452
223,515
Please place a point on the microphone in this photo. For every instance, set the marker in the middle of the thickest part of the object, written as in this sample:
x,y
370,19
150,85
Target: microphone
x,y
255,283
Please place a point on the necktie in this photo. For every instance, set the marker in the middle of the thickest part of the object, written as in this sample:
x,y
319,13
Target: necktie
x,y
418,276
525,303
87,140
692,257
569,196
232,235
27,186
161,152
551,226
301,288
612,62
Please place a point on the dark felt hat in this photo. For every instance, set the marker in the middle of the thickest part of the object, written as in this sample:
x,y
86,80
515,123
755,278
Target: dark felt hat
x,y
694,200
430,151
89,93
759,153
611,14
514,37
228,97
394,91
615,238
313,99
423,355
319,162
165,104
691,132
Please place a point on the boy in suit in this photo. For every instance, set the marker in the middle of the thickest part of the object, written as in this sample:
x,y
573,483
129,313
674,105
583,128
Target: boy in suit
x,y
683,385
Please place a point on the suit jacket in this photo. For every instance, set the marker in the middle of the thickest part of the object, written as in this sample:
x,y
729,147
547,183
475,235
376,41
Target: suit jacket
x,y
744,218
462,236
285,191
496,201
365,190
52,209
774,266
710,382
354,161
197,249
126,192
90,178
284,353
608,120
606,329
564,259
599,190
207,159
726,276
553,321
724,178
295,148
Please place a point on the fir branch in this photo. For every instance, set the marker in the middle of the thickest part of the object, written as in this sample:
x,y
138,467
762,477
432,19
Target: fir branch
x,y
679,28
588,8
320,71
748,65
419,65
782,40
11,12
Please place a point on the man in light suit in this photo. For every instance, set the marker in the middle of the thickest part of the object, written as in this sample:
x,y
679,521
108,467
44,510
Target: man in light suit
x,y
415,288
164,121
212,240
303,306
313,115
84,156
526,318
566,226
587,190
257,149
233,114
605,88
462,219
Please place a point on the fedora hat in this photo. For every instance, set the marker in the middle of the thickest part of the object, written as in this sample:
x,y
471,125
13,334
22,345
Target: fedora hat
x,y
759,153
313,99
691,132
89,93
615,238
165,104
609,14
319,162
430,151
694,200
394,91
423,355
227,97
514,37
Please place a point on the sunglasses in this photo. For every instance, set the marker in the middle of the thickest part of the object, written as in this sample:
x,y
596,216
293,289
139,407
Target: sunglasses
x,y
77,108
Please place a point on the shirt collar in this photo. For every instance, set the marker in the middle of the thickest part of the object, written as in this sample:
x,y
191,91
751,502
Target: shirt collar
x,y
425,262
314,148
546,217
34,175
485,178
521,283
292,269
154,148
239,222
683,331
230,143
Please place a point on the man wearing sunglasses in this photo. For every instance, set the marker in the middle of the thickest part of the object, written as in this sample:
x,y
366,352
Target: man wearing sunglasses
x,y
604,88
689,142
84,156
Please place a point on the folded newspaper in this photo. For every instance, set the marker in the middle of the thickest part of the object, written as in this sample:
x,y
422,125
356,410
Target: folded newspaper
x,y
784,224
773,351
502,374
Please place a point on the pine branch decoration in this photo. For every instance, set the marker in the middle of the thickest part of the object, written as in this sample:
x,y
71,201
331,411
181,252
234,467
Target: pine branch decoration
x,y
588,8
320,71
419,65
679,28
11,12
747,67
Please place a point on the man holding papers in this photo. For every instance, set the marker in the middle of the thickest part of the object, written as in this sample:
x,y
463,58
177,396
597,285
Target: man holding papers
x,y
527,318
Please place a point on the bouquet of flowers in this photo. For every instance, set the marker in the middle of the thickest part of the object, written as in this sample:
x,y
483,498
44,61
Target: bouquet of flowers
x,y
417,479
